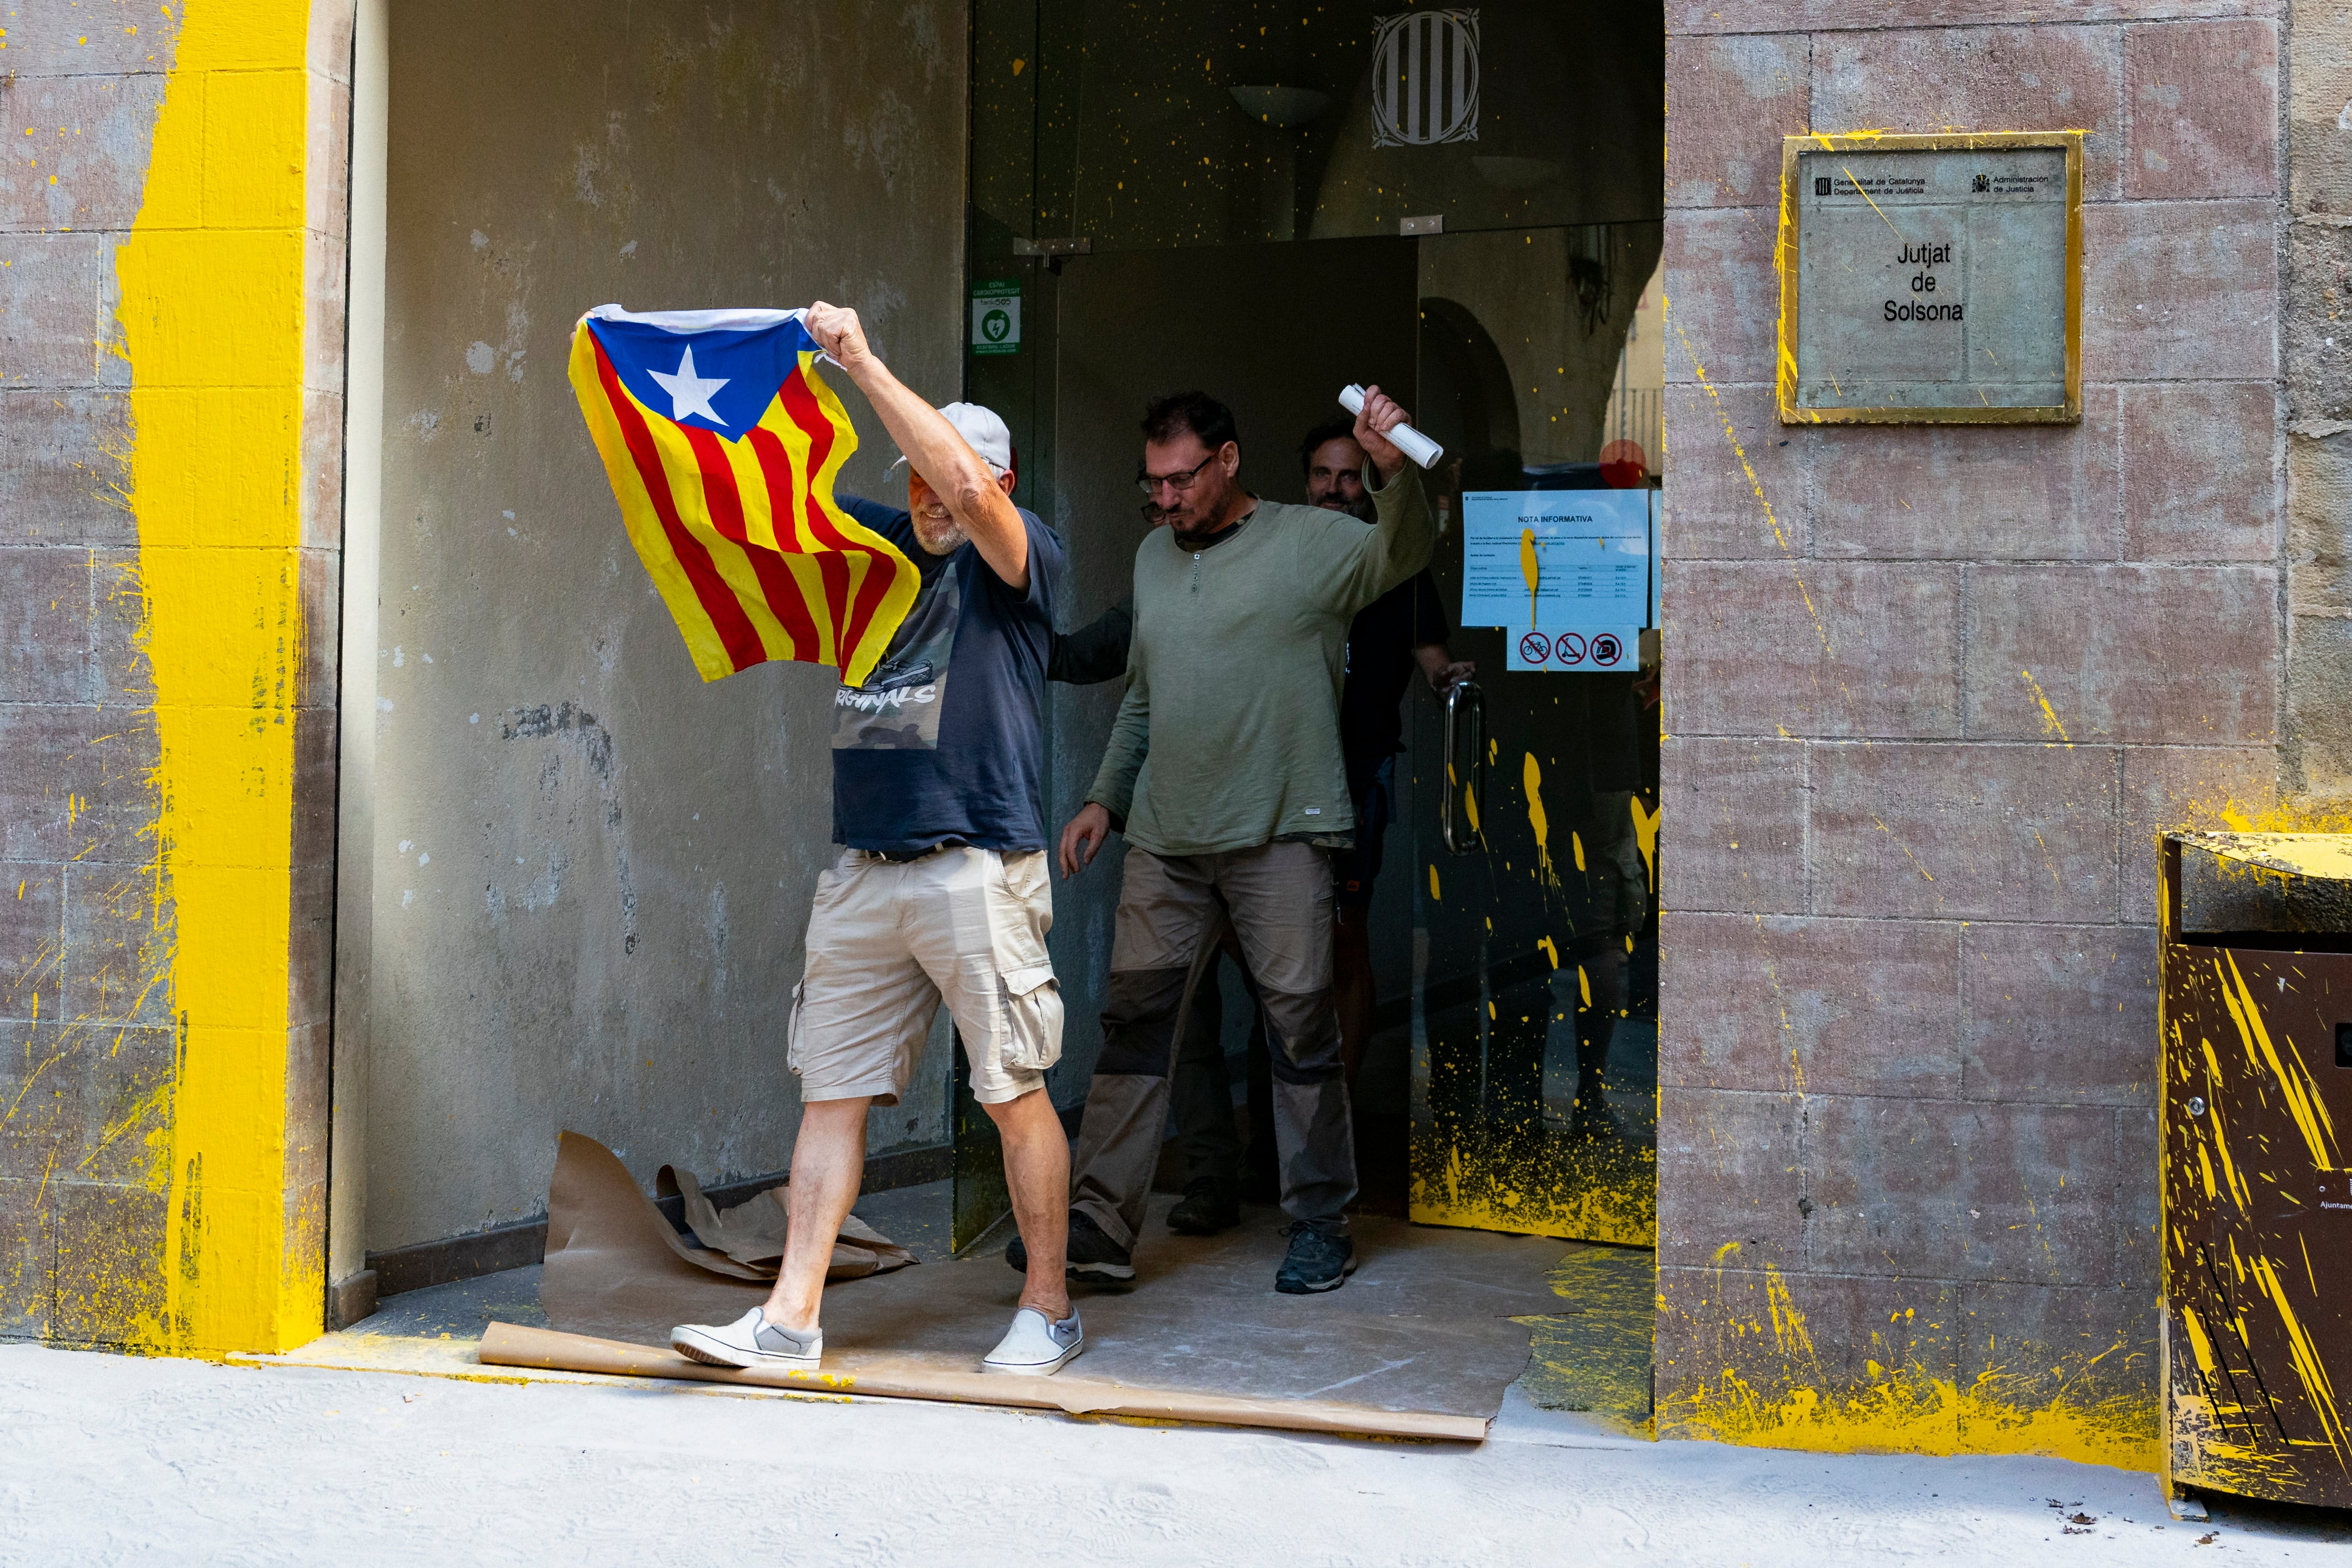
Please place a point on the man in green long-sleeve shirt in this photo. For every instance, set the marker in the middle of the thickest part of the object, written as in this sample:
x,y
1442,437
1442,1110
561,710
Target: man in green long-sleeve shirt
x,y
1224,771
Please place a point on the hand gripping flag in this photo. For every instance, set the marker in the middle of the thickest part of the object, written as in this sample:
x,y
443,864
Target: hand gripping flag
x,y
722,445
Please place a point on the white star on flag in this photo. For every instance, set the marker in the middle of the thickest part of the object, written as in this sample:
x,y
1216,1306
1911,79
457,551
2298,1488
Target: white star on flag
x,y
688,392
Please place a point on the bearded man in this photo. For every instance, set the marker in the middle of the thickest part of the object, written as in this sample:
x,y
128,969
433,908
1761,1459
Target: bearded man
x,y
940,893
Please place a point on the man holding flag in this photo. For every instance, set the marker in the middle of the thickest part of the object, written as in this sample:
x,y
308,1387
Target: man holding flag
x,y
942,891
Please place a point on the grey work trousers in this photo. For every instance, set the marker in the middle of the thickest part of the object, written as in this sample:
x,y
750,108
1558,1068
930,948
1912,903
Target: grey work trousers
x,y
1278,897
1201,1092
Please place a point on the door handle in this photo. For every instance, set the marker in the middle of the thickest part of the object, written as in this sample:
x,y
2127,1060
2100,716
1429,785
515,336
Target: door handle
x,y
1463,700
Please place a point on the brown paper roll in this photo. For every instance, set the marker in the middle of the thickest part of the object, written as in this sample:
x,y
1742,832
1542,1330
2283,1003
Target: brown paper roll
x,y
506,1344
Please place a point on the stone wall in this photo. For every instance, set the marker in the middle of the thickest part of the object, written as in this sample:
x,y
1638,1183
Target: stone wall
x,y
82,1055
2315,738
590,872
171,213
1930,690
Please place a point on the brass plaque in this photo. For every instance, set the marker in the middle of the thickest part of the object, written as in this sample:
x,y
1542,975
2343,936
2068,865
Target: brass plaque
x,y
1931,279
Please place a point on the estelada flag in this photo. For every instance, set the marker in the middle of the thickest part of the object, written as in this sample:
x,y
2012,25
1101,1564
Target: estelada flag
x,y
722,444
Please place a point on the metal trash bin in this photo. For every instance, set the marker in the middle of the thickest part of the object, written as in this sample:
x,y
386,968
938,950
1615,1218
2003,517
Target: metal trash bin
x,y
2256,1032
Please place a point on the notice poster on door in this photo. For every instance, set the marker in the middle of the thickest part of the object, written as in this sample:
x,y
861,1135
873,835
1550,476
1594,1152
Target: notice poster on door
x,y
1558,560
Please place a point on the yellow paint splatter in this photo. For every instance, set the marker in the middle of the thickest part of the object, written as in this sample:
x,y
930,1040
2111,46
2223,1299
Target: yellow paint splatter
x,y
2303,1100
1909,1409
1530,568
1645,834
2230,1179
1434,895
1531,780
1874,206
1596,1359
1788,1323
1731,436
2050,724
1899,845
1550,951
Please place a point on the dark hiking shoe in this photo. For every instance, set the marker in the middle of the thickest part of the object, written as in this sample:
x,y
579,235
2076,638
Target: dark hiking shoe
x,y
1093,1256
1318,1261
1207,1208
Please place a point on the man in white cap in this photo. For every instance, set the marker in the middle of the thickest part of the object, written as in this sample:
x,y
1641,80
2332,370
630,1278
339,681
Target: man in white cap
x,y
940,893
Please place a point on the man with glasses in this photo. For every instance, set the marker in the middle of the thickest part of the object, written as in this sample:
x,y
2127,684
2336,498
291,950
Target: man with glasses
x,y
1223,771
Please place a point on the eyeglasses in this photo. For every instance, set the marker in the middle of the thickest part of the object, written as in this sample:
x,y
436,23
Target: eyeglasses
x,y
1150,483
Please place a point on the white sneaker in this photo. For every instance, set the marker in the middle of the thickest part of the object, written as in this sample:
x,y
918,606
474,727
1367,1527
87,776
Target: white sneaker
x,y
1035,1345
750,1340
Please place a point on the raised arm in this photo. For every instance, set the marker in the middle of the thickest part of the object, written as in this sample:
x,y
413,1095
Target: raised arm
x,y
1403,531
948,464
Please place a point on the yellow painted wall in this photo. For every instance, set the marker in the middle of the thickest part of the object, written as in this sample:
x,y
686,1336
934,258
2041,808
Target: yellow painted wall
x,y
212,291
1741,1359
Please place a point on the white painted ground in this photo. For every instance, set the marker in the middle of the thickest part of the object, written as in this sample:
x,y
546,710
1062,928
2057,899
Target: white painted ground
x,y
106,1460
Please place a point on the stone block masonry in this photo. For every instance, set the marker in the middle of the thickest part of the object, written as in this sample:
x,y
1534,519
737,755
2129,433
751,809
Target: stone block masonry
x,y
1929,693
171,217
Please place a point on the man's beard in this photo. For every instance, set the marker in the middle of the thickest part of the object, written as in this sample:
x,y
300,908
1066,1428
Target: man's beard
x,y
1361,509
1188,539
944,537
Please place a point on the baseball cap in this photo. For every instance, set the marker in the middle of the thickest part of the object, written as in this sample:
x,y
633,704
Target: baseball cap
x,y
983,431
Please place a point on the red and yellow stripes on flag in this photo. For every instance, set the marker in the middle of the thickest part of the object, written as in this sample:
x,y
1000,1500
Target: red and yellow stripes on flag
x,y
741,536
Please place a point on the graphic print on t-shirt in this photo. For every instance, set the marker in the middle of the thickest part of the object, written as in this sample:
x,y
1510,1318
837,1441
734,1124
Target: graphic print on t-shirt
x,y
897,709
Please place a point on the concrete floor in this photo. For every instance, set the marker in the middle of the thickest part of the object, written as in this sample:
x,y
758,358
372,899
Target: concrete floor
x,y
108,1459
1587,1373
389,1444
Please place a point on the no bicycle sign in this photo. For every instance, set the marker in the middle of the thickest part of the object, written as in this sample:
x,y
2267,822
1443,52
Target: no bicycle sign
x,y
1590,649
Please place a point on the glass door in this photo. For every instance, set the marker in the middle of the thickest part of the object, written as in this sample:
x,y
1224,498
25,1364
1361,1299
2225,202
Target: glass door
x,y
1535,818
1269,202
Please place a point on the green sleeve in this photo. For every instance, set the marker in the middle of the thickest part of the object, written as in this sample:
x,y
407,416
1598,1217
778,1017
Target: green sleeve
x,y
1130,741
1367,563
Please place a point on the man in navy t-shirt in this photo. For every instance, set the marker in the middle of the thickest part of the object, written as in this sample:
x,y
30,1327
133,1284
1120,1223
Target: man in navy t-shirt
x,y
943,741
940,893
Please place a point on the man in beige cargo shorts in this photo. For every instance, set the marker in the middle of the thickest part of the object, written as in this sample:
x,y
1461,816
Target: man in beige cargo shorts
x,y
942,892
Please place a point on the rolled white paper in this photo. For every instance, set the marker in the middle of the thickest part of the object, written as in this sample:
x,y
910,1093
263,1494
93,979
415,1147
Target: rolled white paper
x,y
1408,440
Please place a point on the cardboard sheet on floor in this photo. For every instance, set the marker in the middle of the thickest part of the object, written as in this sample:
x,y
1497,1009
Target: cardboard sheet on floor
x,y
509,1344
1423,1326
